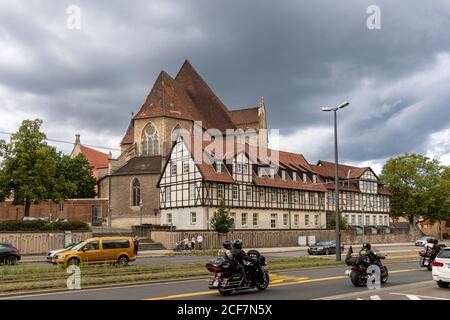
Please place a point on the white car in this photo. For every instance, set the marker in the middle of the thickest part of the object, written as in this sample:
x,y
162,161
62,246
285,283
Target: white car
x,y
52,253
422,241
441,268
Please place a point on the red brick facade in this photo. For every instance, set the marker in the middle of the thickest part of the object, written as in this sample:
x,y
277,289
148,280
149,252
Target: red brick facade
x,y
71,209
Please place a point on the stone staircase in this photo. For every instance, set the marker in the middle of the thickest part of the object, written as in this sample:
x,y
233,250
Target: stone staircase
x,y
148,244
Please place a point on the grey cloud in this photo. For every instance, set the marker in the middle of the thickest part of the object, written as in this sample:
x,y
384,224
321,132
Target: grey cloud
x,y
300,55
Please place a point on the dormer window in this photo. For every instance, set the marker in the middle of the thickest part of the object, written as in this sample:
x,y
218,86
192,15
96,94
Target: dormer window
x,y
272,173
305,179
238,168
245,168
283,174
314,178
294,176
260,172
218,167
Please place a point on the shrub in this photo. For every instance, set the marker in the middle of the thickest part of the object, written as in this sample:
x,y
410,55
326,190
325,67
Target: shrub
x,y
41,225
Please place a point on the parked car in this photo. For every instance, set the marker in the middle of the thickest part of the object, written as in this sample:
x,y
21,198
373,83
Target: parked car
x,y
51,254
324,247
9,254
441,268
118,250
423,241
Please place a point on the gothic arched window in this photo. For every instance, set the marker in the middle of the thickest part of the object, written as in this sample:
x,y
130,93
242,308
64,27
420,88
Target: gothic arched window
x,y
176,132
150,141
136,193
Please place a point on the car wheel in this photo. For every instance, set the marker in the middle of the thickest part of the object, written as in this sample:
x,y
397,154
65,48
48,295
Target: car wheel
x,y
11,260
122,261
73,262
443,284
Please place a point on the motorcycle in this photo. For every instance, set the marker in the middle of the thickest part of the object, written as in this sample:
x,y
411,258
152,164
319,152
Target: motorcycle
x,y
359,265
228,277
427,256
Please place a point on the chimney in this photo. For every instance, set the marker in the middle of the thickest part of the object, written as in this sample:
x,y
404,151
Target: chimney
x,y
77,139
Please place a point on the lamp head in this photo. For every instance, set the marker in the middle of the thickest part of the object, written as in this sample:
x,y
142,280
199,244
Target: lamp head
x,y
344,104
327,109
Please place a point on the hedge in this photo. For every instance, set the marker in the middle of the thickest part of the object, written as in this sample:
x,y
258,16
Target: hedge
x,y
40,225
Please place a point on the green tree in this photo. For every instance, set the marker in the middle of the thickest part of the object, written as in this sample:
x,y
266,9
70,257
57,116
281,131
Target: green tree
x,y
411,179
222,222
32,171
75,176
439,203
342,222
29,166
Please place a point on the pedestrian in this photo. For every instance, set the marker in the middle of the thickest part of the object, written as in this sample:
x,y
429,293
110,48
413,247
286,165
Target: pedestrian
x,y
200,242
185,244
136,245
193,243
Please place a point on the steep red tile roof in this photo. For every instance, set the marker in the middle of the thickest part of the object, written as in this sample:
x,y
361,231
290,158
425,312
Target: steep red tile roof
x,y
212,111
168,98
129,135
327,169
245,118
189,97
95,158
288,183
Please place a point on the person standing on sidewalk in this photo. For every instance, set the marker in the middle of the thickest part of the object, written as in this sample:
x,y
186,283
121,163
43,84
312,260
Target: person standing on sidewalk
x,y
136,245
200,242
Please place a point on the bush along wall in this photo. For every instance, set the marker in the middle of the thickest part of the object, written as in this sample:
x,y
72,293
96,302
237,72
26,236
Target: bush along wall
x,y
40,225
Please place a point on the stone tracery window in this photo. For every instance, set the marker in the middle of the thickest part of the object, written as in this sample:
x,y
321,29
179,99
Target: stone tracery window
x,y
136,193
150,141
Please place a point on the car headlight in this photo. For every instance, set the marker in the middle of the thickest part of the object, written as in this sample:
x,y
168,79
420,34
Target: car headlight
x,y
60,257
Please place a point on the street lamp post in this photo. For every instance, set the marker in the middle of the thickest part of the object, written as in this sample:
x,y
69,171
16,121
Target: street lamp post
x,y
336,179
140,209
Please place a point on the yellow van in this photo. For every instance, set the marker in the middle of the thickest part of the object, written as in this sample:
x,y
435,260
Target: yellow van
x,y
118,250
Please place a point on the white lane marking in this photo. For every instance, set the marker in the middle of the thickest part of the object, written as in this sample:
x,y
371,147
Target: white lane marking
x,y
417,296
376,297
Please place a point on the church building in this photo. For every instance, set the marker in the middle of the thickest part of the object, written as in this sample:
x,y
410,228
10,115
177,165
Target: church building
x,y
184,103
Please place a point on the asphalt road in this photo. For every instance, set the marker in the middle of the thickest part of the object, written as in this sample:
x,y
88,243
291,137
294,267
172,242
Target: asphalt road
x,y
293,285
182,258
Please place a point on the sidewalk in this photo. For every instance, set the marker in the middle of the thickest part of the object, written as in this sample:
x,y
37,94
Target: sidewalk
x,y
167,253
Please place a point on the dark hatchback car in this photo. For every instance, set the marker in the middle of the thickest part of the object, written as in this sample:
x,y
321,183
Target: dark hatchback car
x,y
324,247
9,254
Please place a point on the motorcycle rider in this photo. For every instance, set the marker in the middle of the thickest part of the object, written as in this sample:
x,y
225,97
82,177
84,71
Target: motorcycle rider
x,y
240,257
226,251
367,251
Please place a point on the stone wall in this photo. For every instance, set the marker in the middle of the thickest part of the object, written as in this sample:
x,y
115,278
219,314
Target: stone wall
x,y
123,214
71,209
40,242
278,238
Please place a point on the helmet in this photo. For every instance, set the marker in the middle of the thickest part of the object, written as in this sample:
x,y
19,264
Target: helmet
x,y
430,240
367,246
227,244
435,241
237,244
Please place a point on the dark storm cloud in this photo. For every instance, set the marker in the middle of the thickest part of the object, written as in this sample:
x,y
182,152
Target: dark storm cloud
x,y
299,55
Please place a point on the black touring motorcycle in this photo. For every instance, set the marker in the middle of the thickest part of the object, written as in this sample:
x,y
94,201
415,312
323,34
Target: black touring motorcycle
x,y
359,265
228,277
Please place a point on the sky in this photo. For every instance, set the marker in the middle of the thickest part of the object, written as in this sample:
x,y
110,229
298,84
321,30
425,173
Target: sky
x,y
299,55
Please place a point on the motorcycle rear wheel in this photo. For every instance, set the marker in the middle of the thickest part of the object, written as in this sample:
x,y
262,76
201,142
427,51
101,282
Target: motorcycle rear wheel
x,y
384,278
263,285
357,279
225,292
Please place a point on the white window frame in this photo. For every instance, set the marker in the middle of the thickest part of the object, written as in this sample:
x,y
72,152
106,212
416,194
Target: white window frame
x,y
296,219
185,167
192,190
173,169
220,191
273,220
255,219
235,192
285,219
248,193
169,219
193,217
244,219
